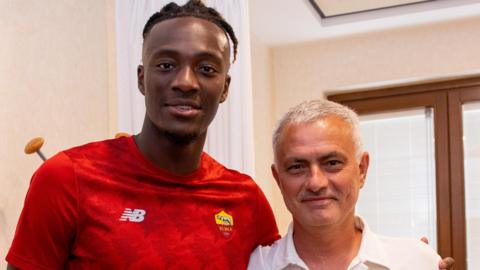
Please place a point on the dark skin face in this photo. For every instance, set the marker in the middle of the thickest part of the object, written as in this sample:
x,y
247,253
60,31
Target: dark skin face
x,y
184,79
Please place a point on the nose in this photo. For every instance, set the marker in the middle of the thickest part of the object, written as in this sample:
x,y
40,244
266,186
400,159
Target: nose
x,y
185,80
316,180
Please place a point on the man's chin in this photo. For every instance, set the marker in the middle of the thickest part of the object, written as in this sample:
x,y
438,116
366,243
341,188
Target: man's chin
x,y
180,139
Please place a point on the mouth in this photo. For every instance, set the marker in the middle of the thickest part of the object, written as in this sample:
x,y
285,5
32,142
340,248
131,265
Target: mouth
x,y
183,108
320,201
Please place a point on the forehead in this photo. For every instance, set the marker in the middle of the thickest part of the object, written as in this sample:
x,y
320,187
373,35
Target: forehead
x,y
329,134
190,33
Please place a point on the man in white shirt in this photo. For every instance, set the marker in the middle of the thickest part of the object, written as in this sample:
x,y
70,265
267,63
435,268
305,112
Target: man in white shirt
x,y
320,166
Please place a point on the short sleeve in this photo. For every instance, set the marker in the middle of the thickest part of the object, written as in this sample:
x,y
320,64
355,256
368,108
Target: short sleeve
x,y
267,231
47,225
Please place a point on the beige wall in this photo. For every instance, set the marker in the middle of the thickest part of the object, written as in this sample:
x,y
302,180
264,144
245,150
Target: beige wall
x,y
56,75
264,121
305,71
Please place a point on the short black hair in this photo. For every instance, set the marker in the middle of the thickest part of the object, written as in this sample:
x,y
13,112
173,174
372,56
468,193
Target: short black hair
x,y
193,8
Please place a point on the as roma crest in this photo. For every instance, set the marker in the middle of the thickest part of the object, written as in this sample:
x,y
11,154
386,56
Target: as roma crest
x,y
224,222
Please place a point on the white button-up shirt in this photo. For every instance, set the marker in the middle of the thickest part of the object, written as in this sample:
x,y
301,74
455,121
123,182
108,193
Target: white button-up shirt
x,y
376,253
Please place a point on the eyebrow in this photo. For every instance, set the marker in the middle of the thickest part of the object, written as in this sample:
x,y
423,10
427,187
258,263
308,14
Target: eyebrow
x,y
329,155
332,155
203,54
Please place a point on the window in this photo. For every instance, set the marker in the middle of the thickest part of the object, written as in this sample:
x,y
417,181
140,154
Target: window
x,y
425,163
471,142
401,147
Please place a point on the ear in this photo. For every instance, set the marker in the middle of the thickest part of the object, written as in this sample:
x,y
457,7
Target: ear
x,y
140,76
363,166
225,89
275,175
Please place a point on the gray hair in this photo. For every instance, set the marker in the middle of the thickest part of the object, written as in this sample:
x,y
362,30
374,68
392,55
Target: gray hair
x,y
310,111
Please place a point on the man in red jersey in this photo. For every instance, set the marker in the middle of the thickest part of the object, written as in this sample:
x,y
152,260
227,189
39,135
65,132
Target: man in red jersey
x,y
154,200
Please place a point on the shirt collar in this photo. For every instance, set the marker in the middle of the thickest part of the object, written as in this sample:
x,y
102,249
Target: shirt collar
x,y
287,254
370,252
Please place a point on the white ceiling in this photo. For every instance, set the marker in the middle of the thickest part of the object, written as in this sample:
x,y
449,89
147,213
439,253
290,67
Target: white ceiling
x,y
279,22
334,8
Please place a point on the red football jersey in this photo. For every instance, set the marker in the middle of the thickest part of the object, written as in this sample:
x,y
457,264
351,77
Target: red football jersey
x,y
104,206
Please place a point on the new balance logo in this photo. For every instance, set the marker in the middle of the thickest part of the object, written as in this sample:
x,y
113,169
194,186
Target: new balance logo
x,y
137,215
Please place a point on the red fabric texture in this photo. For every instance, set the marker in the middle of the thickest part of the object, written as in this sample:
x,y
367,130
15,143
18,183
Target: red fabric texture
x,y
104,206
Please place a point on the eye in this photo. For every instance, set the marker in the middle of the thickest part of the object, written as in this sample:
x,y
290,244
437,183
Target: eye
x,y
207,70
165,66
334,164
296,168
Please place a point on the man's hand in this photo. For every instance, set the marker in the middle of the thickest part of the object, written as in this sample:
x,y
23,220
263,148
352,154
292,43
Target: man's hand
x,y
445,263
424,239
